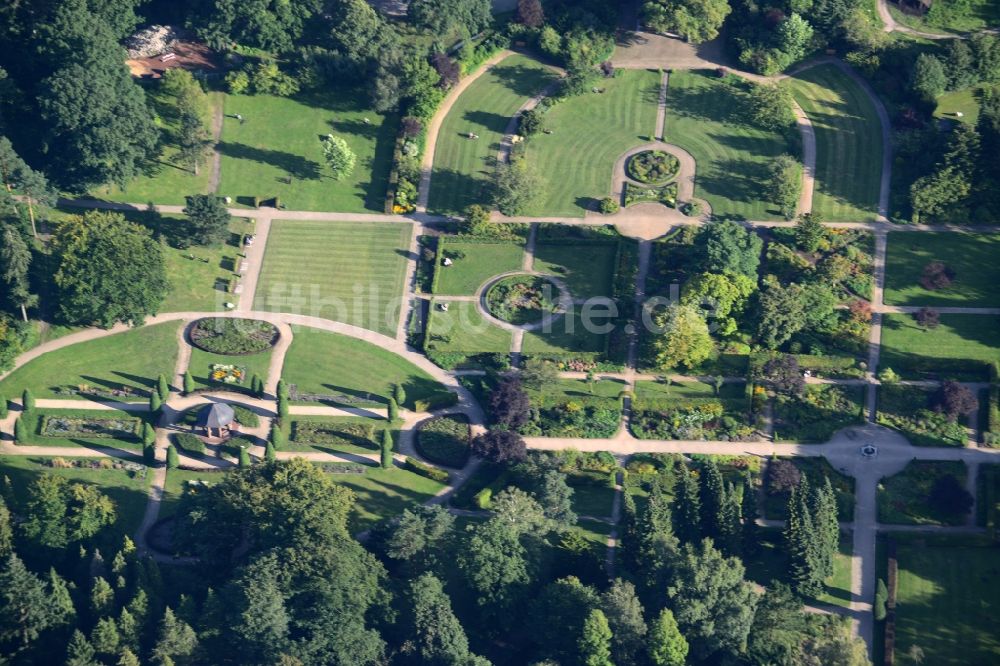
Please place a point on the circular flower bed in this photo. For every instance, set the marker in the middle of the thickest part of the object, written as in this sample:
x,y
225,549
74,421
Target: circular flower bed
x,y
233,337
653,166
522,299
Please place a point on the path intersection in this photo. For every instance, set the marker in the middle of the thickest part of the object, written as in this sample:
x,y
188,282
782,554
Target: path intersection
x,y
646,222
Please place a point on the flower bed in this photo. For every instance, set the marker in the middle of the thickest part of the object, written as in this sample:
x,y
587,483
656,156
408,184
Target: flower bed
x,y
522,299
89,428
653,167
227,374
665,194
708,420
325,433
232,336
134,470
445,440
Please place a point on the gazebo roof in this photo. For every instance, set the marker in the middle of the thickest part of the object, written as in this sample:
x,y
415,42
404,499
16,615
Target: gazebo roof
x,y
216,415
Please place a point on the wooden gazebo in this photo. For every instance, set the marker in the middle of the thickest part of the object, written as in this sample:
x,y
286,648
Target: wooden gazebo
x,y
216,420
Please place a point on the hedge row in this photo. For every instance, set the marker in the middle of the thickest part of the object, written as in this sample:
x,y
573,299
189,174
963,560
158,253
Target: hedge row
x,y
432,473
188,443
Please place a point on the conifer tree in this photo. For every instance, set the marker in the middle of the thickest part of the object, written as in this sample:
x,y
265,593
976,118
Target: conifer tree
x,y
188,383
148,434
174,639
20,431
173,460
712,492
801,542
730,529
79,651
128,630
629,529
102,597
687,512
60,601
624,612
104,637
282,407
386,449
879,611
3,407
128,658
24,605
155,403
748,514
595,640
667,646
281,390
393,411
399,394
278,437
824,508
244,458
6,531
163,387
269,453
27,400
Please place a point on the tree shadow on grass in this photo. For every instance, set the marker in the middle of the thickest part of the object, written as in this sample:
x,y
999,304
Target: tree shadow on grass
x,y
451,191
737,180
521,80
486,120
719,103
295,165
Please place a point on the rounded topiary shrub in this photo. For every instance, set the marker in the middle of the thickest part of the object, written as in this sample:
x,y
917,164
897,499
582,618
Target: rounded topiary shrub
x,y
232,336
653,166
523,299
609,206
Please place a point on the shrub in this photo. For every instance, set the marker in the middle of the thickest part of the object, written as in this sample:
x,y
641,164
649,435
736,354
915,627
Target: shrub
x,y
427,471
232,336
609,206
948,495
953,400
188,382
500,446
155,403
653,166
936,276
246,417
928,317
436,401
238,82
278,435
148,434
189,443
530,122
445,440
881,599
782,476
20,431
393,412
888,376
282,407
483,498
27,400
3,407
244,457
163,388
173,460
386,449
269,452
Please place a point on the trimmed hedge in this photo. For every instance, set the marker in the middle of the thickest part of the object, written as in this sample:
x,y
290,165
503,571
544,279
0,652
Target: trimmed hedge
x,y
189,443
246,417
432,473
445,440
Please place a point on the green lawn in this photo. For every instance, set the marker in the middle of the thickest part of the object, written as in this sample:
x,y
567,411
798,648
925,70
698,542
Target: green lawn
x,y
280,141
33,426
126,488
351,272
567,335
463,329
704,117
771,563
916,352
473,264
253,364
587,269
908,410
133,359
162,180
680,391
848,143
972,258
383,493
969,16
199,276
319,362
946,604
463,167
173,489
589,133
904,498
964,101
342,434
590,498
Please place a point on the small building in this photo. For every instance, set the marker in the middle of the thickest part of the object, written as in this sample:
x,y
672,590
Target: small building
x,y
216,420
